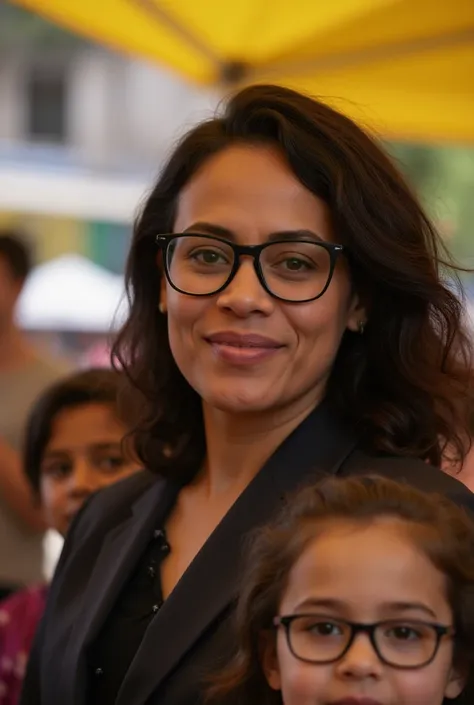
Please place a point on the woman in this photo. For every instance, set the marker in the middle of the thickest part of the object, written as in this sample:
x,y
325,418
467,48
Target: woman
x,y
73,447
293,324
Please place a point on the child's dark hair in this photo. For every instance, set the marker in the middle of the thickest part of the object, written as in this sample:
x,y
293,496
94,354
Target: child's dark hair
x,y
94,386
442,530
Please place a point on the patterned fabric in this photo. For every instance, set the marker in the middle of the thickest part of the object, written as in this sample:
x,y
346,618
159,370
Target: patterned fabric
x,y
19,618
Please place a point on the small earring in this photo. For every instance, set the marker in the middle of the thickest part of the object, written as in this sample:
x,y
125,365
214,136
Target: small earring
x,y
161,308
361,327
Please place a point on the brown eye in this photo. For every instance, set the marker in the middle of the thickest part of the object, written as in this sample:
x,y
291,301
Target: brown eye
x,y
57,470
110,463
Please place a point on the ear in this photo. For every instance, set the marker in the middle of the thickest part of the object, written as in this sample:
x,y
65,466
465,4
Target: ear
x,y
456,683
163,299
269,660
357,314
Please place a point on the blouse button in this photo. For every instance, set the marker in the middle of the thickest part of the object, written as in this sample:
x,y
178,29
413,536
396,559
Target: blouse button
x,y
156,608
151,571
158,534
165,548
99,671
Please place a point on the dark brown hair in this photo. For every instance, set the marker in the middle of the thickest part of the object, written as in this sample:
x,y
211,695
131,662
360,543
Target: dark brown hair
x,y
442,530
404,382
15,251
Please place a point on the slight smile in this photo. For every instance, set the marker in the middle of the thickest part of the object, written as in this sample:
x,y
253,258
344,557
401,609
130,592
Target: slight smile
x,y
242,348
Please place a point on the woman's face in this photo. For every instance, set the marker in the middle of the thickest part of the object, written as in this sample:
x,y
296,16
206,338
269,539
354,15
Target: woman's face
x,y
363,574
249,194
83,455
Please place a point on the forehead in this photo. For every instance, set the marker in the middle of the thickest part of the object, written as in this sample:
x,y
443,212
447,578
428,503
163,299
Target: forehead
x,y
370,564
85,424
250,187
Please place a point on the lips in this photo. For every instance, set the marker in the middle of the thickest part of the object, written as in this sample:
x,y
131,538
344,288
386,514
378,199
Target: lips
x,y
356,701
242,349
243,340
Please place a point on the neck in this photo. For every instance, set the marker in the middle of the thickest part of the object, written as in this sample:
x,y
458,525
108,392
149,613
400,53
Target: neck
x,y
238,445
14,349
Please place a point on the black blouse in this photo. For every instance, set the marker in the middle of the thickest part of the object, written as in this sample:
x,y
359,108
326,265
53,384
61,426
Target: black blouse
x,y
113,651
109,657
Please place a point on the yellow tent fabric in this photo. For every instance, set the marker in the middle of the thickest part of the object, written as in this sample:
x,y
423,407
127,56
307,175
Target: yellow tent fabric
x,y
403,67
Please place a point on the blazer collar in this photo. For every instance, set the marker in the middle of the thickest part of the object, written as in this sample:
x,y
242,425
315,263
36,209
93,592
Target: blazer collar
x,y
117,558
317,447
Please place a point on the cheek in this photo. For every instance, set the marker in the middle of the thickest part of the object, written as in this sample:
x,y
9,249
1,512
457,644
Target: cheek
x,y
319,327
425,686
184,312
106,480
330,312
301,683
53,497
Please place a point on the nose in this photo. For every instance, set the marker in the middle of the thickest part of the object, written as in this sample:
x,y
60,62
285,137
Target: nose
x,y
361,661
83,479
245,294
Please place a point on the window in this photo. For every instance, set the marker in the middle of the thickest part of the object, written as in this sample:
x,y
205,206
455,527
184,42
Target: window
x,y
47,105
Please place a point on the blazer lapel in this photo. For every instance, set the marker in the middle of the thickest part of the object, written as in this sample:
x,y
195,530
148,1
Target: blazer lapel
x,y
318,446
117,558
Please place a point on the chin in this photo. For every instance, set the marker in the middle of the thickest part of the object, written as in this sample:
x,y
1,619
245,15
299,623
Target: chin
x,y
241,402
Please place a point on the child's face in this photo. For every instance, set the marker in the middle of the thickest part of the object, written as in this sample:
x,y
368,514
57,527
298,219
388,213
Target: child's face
x,y
364,574
83,455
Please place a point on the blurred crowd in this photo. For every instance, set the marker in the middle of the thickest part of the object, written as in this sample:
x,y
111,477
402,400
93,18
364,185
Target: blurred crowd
x,y
61,439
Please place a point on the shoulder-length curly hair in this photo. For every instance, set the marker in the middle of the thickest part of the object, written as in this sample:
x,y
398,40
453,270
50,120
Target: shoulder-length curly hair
x,y
405,381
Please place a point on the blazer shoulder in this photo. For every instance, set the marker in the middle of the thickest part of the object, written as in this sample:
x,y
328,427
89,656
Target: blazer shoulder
x,y
127,490
112,504
413,471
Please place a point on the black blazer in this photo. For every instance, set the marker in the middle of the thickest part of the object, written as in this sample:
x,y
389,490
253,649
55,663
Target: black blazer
x,y
191,631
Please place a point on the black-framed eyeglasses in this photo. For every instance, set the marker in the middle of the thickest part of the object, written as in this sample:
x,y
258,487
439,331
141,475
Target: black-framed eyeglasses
x,y
403,644
292,270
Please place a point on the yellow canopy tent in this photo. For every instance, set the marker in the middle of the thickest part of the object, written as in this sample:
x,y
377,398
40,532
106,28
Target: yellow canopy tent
x,y
405,67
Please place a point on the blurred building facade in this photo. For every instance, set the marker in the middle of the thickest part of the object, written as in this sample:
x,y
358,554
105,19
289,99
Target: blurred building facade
x,y
83,132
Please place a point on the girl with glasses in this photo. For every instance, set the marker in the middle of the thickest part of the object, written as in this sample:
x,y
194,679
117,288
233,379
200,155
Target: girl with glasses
x,y
289,318
359,593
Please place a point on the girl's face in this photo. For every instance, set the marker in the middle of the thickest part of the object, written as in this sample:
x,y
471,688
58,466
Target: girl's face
x,y
83,455
242,349
363,574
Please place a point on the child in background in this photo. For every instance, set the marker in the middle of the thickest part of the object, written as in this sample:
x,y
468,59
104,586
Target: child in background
x,y
360,593
73,447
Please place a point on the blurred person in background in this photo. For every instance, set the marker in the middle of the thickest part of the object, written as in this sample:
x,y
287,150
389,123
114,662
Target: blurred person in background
x,y
288,319
73,447
24,373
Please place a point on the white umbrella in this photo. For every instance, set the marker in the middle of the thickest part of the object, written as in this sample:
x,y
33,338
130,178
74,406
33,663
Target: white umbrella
x,y
72,293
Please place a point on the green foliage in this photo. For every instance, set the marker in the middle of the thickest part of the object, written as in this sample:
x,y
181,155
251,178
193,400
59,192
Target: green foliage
x,y
21,29
444,180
